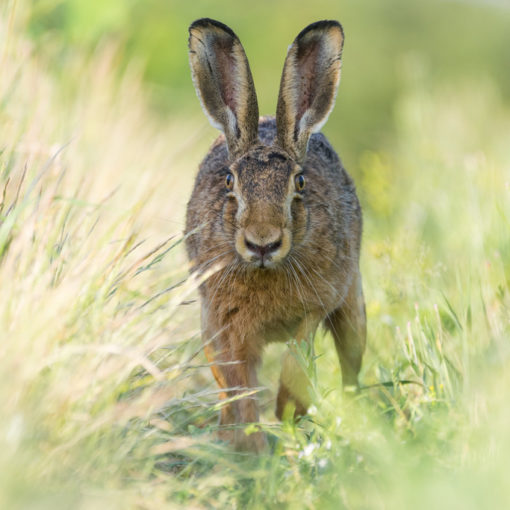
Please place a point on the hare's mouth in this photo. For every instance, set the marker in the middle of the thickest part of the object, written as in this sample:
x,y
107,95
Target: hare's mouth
x,y
263,263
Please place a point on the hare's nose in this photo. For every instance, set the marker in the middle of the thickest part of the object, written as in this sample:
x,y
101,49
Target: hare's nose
x,y
263,250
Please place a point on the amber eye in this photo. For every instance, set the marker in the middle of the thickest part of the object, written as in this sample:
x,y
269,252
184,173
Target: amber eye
x,y
229,181
300,182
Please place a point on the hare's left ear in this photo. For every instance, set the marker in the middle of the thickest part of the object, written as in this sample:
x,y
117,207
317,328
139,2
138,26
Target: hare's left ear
x,y
222,78
309,84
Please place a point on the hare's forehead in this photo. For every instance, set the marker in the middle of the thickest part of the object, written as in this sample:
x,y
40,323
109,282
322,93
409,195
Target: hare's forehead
x,y
267,169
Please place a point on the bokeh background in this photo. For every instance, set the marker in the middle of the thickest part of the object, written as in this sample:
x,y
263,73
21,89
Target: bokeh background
x,y
107,399
391,47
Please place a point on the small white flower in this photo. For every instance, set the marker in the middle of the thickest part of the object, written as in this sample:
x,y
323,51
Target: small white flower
x,y
327,444
323,463
312,410
309,448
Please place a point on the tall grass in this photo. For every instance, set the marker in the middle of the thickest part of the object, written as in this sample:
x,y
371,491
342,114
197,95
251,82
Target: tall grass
x,y
107,401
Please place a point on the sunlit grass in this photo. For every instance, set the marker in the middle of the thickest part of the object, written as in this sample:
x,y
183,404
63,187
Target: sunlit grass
x,y
107,401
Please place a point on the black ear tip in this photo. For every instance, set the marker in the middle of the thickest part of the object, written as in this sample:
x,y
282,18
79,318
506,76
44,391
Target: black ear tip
x,y
208,23
321,26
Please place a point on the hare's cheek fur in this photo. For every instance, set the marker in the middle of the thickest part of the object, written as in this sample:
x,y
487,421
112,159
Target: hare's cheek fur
x,y
299,217
229,216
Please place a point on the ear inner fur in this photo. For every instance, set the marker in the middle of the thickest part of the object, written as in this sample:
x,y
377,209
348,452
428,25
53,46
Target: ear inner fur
x,y
223,82
309,84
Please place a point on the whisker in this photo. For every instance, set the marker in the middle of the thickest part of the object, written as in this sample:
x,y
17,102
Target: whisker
x,y
303,271
301,296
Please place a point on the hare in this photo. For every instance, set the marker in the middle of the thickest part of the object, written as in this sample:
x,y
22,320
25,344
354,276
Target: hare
x,y
275,212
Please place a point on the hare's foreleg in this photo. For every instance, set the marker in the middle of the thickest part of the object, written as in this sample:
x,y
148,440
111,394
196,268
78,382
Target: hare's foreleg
x,y
294,382
348,326
235,372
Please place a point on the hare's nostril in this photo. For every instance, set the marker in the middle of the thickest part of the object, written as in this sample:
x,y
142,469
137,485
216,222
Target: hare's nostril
x,y
251,246
262,250
273,246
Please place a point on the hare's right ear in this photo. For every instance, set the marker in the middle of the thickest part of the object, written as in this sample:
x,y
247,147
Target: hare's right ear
x,y
224,83
310,79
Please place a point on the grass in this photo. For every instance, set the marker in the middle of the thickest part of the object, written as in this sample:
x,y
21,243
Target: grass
x,y
107,400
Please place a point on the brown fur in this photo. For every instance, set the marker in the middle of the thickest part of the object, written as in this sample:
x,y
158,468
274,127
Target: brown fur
x,y
312,237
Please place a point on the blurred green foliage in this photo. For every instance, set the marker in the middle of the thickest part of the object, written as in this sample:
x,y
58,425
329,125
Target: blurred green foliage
x,y
388,44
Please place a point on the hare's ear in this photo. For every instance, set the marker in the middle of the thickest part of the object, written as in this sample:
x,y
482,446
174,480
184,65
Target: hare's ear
x,y
224,84
310,79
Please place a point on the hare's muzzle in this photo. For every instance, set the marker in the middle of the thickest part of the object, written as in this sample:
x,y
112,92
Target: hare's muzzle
x,y
263,245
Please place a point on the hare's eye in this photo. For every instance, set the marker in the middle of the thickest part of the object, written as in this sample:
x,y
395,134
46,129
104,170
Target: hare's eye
x,y
300,182
229,181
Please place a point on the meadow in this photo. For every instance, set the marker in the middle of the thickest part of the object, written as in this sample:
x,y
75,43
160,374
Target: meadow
x,y
107,399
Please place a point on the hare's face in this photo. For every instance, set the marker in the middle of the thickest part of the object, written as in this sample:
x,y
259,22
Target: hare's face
x,y
264,210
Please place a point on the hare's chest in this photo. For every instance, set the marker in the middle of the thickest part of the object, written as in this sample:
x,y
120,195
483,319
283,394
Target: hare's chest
x,y
269,311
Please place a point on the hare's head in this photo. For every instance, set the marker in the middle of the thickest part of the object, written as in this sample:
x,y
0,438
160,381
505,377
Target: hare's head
x,y
264,188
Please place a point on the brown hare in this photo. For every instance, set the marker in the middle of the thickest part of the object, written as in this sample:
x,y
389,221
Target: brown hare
x,y
277,216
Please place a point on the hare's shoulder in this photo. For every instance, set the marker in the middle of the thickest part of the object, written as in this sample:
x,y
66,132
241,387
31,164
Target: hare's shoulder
x,y
216,160
323,160
319,147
